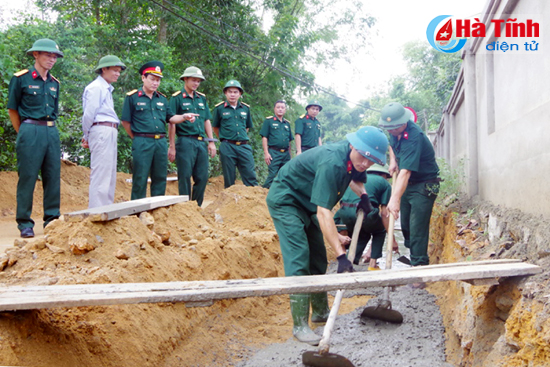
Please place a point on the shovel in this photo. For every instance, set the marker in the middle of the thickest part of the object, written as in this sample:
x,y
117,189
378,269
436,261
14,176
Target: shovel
x,y
383,311
322,358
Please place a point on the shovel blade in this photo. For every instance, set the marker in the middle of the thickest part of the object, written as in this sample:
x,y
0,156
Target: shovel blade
x,y
404,259
380,313
315,359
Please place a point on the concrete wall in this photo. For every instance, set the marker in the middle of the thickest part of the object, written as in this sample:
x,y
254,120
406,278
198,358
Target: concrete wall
x,y
501,123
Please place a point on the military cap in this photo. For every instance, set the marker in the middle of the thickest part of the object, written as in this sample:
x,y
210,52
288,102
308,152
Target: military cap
x,y
192,72
314,103
394,115
153,68
109,60
45,45
233,84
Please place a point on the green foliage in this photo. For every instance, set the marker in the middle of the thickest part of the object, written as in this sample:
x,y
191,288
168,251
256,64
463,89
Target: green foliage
x,y
139,31
428,84
452,181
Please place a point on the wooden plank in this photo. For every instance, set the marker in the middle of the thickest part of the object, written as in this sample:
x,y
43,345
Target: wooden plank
x,y
114,211
198,292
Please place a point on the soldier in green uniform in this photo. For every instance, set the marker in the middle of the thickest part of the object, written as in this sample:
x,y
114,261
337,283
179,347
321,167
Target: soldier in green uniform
x,y
231,123
300,202
33,101
195,140
276,137
417,185
308,128
375,224
144,117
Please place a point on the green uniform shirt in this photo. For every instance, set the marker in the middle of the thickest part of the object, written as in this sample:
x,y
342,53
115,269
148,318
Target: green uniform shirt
x,y
278,133
232,122
415,152
310,130
377,187
315,178
33,97
146,115
181,102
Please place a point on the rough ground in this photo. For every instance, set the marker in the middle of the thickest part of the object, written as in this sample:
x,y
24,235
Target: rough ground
x,y
231,238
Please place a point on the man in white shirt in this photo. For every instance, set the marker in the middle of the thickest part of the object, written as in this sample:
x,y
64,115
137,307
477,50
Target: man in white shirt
x,y
100,127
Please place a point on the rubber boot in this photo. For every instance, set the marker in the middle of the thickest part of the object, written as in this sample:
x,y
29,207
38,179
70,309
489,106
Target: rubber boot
x,y
319,307
299,307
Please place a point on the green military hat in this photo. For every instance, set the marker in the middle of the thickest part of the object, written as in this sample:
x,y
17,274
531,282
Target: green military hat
x,y
379,169
107,61
371,143
233,84
192,72
394,115
314,103
152,67
45,45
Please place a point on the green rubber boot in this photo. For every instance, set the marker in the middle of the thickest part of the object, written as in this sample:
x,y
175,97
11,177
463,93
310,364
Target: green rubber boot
x,y
299,307
319,307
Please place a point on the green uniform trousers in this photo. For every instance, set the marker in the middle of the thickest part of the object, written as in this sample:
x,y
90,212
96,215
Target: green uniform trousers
x,y
372,227
149,157
237,156
38,150
301,240
416,209
278,160
192,161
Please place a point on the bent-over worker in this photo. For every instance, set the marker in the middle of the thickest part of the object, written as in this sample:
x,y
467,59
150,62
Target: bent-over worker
x,y
300,202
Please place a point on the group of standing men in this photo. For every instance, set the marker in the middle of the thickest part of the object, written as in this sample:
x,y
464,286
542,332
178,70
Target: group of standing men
x,y
33,109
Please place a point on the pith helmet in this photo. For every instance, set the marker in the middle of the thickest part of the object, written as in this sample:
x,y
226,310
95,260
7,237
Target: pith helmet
x,y
379,169
192,72
233,84
45,45
371,143
109,60
314,103
394,115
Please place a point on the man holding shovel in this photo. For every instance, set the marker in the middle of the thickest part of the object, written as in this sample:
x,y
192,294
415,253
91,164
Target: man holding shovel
x,y
300,202
417,185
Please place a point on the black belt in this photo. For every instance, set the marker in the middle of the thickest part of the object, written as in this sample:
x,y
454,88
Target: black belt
x,y
39,122
348,205
153,136
282,150
435,180
236,142
110,124
198,137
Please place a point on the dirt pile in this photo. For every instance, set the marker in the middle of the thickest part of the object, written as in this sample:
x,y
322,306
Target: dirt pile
x,y
505,325
182,242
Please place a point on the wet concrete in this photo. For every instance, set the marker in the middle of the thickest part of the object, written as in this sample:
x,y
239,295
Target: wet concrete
x,y
418,342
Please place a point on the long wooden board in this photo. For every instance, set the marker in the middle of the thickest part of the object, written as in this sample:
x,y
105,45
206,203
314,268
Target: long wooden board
x,y
34,297
114,211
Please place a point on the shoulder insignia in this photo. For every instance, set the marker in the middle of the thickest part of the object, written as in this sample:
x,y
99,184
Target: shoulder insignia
x,y
161,94
21,72
54,78
285,120
304,115
219,104
202,94
131,92
269,117
176,93
246,104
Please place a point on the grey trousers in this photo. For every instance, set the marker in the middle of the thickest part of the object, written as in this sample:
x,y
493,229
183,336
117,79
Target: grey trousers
x,y
103,148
